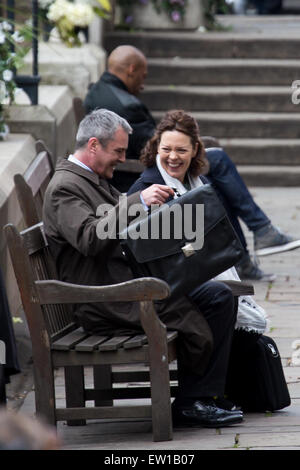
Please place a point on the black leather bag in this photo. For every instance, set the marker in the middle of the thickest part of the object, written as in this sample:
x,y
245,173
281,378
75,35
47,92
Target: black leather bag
x,y
173,259
255,378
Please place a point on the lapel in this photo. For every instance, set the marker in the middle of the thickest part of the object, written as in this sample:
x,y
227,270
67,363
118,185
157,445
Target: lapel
x,y
152,176
110,193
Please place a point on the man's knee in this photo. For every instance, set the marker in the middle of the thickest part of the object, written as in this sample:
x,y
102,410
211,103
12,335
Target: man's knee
x,y
224,297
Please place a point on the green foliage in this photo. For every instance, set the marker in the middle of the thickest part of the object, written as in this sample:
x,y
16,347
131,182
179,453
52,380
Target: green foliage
x,y
212,7
12,52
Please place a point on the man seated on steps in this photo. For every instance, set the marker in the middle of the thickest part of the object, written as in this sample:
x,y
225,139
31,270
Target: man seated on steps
x,y
117,90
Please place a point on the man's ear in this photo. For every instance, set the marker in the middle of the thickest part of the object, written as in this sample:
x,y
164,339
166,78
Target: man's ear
x,y
131,69
93,144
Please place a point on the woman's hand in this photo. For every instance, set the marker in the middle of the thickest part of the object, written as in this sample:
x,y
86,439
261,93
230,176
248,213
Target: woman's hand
x,y
156,194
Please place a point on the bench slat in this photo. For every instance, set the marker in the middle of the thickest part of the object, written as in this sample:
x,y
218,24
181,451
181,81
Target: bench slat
x,y
135,342
70,340
113,343
171,335
91,343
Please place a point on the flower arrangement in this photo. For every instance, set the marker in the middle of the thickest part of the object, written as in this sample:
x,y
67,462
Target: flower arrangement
x,y
175,9
70,16
44,6
12,51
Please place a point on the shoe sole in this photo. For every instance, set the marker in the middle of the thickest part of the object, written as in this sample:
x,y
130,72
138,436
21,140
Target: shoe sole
x,y
194,424
278,249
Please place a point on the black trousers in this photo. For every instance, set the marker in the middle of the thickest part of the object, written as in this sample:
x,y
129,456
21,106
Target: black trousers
x,y
216,302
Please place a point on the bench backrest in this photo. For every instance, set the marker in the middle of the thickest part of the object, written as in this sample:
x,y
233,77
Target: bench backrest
x,y
32,261
31,186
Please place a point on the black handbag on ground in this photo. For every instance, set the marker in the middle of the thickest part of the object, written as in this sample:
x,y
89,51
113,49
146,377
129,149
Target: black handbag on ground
x,y
255,378
175,260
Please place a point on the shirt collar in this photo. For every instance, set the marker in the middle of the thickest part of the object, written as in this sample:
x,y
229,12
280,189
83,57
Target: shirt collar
x,y
75,160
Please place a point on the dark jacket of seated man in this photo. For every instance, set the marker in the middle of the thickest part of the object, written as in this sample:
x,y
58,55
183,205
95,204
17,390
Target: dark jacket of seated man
x,y
111,93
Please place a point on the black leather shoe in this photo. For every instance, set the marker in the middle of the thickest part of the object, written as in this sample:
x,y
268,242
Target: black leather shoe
x,y
204,414
225,404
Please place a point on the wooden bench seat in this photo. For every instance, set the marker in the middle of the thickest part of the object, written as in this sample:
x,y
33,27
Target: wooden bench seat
x,y
58,342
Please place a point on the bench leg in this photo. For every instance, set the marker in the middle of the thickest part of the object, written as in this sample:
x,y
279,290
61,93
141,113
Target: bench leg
x,y
161,401
103,381
159,373
74,386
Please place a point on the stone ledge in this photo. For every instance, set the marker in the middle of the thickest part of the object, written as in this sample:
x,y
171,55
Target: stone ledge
x,y
52,120
61,65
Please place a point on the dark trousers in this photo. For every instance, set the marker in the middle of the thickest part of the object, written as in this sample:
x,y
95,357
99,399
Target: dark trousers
x,y
219,307
234,194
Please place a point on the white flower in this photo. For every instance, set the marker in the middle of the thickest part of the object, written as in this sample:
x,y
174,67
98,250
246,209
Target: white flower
x,y
2,37
7,75
58,10
81,14
6,26
17,37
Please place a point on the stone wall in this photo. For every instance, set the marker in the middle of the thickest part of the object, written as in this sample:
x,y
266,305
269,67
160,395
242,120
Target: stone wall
x,y
76,67
52,120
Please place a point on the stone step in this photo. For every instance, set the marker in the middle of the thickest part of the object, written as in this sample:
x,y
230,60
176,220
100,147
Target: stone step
x,y
211,44
178,71
220,98
247,125
270,175
263,151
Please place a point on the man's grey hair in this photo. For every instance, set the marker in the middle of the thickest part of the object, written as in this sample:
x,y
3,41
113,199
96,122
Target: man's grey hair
x,y
102,124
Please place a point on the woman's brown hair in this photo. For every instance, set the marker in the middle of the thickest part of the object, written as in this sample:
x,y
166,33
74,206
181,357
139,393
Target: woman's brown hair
x,y
176,120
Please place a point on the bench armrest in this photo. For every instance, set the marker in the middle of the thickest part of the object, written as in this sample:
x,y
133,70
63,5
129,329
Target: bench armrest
x,y
56,292
240,288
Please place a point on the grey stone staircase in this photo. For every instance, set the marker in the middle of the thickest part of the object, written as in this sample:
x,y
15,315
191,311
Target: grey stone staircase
x,y
237,85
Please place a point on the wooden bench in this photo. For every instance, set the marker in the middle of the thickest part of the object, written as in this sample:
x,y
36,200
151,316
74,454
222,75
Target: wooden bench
x,y
31,186
58,342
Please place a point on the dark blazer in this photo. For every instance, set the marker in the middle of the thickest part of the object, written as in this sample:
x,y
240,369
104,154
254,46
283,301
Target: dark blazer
x,y
111,93
71,202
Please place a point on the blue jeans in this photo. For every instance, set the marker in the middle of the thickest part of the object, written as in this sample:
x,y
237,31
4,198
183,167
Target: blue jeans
x,y
233,192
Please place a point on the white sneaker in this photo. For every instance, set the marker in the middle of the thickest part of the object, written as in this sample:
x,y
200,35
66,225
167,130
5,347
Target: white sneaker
x,y
270,240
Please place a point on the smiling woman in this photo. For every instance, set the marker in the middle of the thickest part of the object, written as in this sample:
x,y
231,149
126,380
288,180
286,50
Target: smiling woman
x,y
178,144
176,152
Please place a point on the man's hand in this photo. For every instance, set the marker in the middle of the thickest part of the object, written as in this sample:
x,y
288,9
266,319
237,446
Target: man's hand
x,y
156,194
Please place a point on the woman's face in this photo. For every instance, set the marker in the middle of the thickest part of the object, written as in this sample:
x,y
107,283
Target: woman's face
x,y
176,152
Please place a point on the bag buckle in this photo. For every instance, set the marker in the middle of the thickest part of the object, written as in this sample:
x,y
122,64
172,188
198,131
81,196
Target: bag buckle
x,y
188,250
